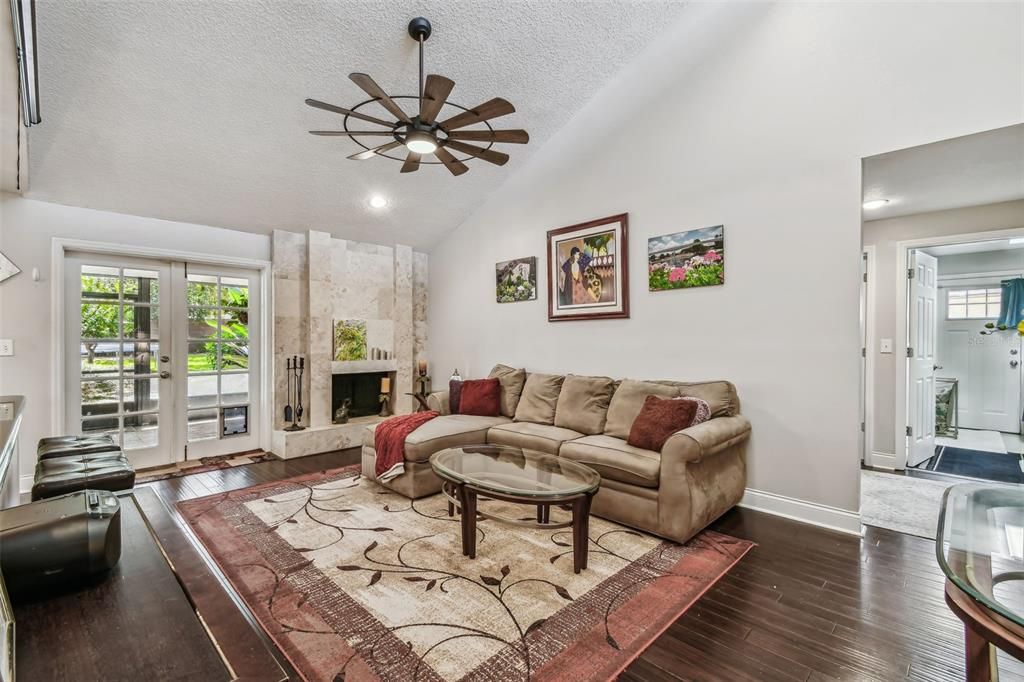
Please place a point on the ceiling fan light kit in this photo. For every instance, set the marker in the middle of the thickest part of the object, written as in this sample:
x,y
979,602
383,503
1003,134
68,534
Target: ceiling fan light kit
x,y
422,135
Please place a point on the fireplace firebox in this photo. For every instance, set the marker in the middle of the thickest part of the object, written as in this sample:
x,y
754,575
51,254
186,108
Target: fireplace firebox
x,y
363,389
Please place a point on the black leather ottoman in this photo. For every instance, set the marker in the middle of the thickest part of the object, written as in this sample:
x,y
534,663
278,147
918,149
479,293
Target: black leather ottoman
x,y
62,446
56,476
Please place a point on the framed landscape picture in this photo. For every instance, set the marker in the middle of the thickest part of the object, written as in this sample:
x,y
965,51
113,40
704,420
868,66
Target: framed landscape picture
x,y
588,270
695,258
516,280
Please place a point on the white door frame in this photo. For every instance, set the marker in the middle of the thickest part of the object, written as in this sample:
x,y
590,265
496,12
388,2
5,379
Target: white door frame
x,y
867,311
900,374
59,248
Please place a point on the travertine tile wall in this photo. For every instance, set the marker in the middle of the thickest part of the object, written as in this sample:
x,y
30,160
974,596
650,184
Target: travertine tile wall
x,y
319,279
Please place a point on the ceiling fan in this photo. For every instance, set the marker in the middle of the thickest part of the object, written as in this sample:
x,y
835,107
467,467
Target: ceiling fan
x,y
422,134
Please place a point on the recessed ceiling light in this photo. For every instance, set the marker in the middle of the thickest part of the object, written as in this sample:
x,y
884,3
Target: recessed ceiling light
x,y
378,201
875,203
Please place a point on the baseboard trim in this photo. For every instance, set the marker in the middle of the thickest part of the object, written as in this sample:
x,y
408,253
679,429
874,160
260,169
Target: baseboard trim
x,y
25,484
883,460
833,518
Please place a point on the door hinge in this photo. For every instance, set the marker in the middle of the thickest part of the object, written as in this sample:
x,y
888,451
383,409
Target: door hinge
x,y
910,431
862,427
910,273
910,351
865,277
863,352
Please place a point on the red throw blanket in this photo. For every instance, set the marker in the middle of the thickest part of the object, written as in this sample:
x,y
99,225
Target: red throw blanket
x,y
389,441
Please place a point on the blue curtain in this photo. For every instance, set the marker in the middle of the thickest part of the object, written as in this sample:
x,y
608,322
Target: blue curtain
x,y
1011,310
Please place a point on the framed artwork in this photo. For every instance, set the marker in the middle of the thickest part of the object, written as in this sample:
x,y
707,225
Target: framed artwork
x,y
516,280
349,340
588,270
695,258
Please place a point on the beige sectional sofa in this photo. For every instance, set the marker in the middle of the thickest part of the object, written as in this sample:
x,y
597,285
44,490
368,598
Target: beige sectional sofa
x,y
698,475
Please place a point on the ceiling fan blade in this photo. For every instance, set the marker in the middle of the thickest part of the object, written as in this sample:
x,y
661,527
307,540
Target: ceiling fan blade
x,y
485,112
370,87
450,162
370,153
495,157
435,94
412,163
511,136
330,133
355,114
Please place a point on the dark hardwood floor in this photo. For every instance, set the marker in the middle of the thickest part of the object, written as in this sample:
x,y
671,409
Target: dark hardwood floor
x,y
805,604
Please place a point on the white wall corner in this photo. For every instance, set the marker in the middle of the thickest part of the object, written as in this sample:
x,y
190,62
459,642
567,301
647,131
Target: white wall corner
x,y
25,484
832,518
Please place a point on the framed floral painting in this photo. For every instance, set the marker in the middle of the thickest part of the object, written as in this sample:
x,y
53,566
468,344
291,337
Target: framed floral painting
x,y
516,280
695,258
588,270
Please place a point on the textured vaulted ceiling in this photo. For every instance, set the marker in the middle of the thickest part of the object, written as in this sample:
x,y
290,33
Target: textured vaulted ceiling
x,y
193,110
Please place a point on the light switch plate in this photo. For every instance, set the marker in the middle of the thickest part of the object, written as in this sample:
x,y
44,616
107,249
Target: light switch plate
x,y
885,345
6,347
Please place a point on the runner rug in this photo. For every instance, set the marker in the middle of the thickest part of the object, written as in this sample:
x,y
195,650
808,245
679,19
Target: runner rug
x,y
355,582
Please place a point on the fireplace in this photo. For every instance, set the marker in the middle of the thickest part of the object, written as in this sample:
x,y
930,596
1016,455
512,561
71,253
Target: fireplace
x,y
363,389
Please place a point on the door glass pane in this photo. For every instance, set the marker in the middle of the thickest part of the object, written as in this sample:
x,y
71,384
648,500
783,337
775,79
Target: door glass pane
x,y
102,427
234,356
202,425
234,388
234,324
100,283
101,321
234,292
202,323
141,357
202,290
100,398
140,431
202,391
141,394
141,322
141,286
99,359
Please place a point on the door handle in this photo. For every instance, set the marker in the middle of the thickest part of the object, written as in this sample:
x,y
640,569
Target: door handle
x,y
165,358
165,374
1013,351
934,367
1014,363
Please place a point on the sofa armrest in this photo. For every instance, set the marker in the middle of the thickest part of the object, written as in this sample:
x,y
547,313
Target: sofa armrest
x,y
706,439
438,401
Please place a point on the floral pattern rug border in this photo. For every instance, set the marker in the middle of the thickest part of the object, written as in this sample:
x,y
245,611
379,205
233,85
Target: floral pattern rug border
x,y
333,632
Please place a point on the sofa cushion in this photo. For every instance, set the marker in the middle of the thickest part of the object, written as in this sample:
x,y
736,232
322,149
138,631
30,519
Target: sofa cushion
x,y
659,419
481,398
512,381
615,459
627,402
539,399
539,437
583,403
720,395
448,431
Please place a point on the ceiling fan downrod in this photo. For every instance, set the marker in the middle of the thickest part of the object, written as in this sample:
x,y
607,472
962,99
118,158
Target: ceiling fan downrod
x,y
419,30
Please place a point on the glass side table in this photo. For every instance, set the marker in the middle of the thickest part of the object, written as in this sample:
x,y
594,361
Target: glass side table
x,y
980,548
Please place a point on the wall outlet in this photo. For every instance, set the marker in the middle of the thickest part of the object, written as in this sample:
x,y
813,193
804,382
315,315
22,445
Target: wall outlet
x,y
885,345
6,412
6,347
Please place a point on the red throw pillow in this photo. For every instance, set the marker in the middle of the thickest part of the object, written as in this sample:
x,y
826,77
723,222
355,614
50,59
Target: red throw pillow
x,y
658,419
481,397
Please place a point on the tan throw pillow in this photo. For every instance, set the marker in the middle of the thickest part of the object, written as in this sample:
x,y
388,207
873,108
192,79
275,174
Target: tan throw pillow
x,y
539,398
583,404
512,381
628,401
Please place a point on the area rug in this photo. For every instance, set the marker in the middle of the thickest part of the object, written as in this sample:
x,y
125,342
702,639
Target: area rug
x,y
354,582
901,503
200,466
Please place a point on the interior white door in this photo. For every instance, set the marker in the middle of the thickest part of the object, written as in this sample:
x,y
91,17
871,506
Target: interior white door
x,y
987,367
923,294
117,354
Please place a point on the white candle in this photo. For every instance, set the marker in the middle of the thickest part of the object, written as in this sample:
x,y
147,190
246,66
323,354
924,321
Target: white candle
x,y
385,385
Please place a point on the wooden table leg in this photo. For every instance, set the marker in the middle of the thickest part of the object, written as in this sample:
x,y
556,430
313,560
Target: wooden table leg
x,y
543,513
467,503
979,656
580,533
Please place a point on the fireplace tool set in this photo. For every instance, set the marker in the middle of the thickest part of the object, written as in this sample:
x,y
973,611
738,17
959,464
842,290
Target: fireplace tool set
x,y
296,367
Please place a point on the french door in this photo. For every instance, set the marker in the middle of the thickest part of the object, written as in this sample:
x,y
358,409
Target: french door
x,y
162,356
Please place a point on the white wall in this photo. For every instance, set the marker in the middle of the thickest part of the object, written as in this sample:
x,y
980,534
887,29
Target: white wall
x,y
755,116
27,228
984,261
884,234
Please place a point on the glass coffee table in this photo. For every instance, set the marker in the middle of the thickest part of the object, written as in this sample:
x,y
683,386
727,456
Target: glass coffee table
x,y
521,476
980,547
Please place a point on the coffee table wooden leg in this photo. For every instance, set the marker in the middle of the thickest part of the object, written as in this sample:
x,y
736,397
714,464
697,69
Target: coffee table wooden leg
x,y
979,656
580,533
469,522
543,513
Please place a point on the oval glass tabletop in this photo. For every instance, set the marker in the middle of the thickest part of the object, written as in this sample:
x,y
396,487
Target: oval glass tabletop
x,y
980,545
513,471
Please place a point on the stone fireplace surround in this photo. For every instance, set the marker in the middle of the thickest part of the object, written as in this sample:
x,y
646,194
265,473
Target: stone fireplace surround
x,y
318,279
